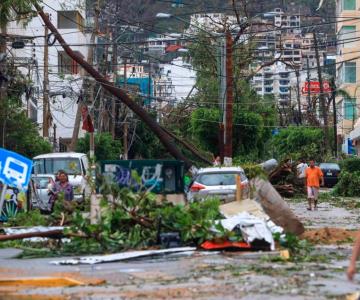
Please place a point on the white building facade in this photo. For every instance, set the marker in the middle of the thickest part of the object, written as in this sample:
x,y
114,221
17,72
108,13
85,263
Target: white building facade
x,y
65,75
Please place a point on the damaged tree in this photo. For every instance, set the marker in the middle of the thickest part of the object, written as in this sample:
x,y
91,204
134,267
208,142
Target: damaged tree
x,y
119,93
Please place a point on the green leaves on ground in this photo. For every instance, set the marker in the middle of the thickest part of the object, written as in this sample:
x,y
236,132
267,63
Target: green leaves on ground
x,y
134,220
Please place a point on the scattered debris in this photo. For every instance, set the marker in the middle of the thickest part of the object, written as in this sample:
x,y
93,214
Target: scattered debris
x,y
222,245
252,228
329,235
120,256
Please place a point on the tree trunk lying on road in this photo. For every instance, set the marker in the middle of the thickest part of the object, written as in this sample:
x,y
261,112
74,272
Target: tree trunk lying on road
x,y
58,233
276,207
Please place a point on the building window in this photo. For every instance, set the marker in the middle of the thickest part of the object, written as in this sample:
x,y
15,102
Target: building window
x,y
66,64
347,72
346,37
350,108
348,4
70,19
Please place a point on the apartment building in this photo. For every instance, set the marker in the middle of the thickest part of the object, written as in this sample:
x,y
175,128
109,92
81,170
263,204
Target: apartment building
x,y
348,70
65,75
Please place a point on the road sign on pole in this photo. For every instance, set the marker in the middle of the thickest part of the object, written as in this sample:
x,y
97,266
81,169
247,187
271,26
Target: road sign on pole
x,y
15,169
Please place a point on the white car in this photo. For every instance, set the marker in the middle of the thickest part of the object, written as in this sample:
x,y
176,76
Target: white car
x,y
76,165
217,182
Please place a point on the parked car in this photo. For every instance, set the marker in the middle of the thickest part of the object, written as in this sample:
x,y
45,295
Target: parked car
x,y
331,173
76,165
39,192
217,182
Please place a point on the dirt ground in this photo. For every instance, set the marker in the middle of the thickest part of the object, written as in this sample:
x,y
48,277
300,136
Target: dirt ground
x,y
234,275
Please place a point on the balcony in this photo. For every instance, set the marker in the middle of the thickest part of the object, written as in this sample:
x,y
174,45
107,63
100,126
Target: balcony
x,y
284,90
284,82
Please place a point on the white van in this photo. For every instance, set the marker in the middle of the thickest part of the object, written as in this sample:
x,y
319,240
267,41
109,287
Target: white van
x,y
76,165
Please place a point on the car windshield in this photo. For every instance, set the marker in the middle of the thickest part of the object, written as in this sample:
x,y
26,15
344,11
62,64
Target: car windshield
x,y
331,166
52,165
41,182
212,179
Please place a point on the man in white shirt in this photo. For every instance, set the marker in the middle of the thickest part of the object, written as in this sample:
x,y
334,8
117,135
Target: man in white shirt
x,y
301,167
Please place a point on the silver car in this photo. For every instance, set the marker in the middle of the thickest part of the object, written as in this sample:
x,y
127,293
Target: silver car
x,y
219,182
40,187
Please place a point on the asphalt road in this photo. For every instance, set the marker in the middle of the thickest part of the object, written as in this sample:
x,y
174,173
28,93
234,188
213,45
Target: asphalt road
x,y
198,276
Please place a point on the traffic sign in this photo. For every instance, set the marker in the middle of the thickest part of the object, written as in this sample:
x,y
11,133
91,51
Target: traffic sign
x,y
15,169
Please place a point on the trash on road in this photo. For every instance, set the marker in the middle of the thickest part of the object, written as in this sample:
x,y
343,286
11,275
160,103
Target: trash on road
x,y
252,228
120,256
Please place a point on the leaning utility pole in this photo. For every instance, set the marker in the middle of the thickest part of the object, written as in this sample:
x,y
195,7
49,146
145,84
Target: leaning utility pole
x,y
322,96
229,97
46,104
121,94
90,60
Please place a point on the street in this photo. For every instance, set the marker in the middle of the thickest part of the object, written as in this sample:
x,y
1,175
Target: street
x,y
199,275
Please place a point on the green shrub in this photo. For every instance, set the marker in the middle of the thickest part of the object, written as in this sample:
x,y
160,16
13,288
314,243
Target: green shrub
x,y
298,142
350,165
348,185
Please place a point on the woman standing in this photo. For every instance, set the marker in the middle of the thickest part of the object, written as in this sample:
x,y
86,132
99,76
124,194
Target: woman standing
x,y
64,186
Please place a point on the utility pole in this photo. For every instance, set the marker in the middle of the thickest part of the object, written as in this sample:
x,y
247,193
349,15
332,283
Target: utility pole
x,y
54,137
222,92
90,60
126,127
149,84
229,98
308,83
298,95
46,104
3,84
322,96
333,95
113,99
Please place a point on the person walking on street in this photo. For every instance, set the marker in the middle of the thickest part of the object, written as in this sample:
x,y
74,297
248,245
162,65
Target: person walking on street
x,y
313,178
301,168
